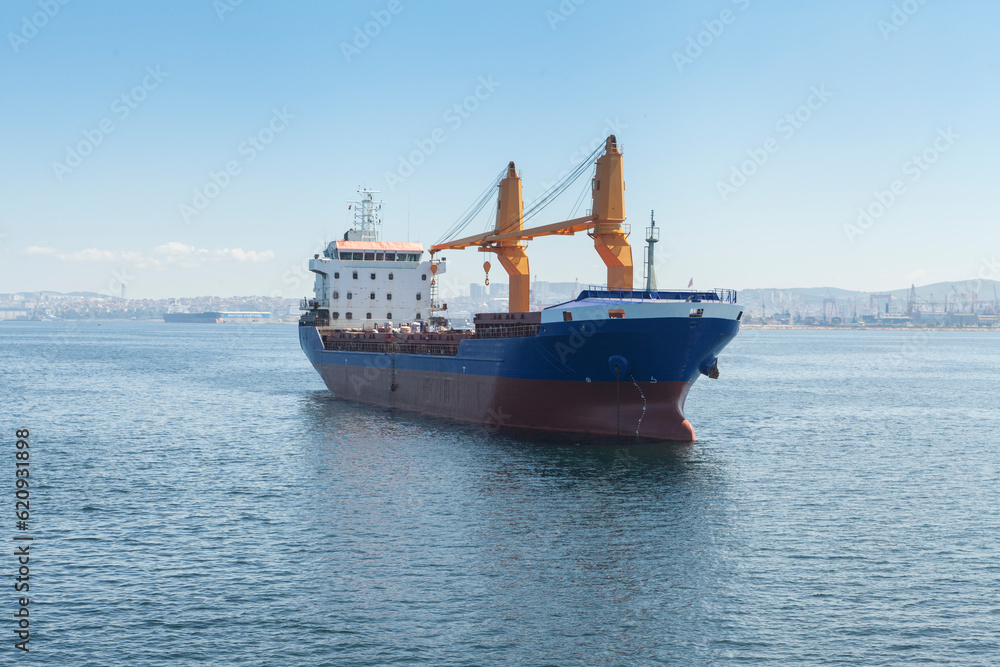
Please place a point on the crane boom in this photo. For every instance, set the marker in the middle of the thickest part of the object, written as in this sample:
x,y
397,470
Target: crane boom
x,y
604,225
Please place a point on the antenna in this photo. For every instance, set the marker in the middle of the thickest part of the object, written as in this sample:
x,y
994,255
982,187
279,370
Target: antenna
x,y
367,214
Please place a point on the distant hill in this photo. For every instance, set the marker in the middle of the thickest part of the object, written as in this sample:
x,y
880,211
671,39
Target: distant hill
x,y
811,298
89,295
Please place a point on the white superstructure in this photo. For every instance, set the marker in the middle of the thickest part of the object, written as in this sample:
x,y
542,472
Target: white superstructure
x,y
364,283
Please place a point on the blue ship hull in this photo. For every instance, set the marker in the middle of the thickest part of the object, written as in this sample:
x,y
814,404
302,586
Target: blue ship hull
x,y
625,376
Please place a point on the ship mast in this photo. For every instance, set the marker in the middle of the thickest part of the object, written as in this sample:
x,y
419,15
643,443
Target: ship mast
x,y
367,214
652,238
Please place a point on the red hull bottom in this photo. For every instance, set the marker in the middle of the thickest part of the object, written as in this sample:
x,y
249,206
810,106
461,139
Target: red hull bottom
x,y
629,408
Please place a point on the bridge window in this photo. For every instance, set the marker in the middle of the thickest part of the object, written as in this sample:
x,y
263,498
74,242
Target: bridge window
x,y
379,256
414,258
345,255
390,257
358,255
369,257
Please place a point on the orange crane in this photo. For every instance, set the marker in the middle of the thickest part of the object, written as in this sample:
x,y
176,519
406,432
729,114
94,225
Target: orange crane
x,y
604,225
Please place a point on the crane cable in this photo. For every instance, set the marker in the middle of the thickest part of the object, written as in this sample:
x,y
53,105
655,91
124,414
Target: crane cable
x,y
560,186
474,209
534,208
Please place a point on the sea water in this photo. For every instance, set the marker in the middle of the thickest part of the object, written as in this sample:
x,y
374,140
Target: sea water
x,y
197,497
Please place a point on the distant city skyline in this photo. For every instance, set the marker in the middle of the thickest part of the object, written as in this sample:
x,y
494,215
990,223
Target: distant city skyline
x,y
210,148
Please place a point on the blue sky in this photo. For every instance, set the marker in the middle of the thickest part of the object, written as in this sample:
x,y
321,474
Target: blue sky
x,y
693,90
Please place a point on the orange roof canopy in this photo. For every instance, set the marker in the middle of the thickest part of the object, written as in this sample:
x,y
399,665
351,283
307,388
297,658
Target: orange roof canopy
x,y
379,245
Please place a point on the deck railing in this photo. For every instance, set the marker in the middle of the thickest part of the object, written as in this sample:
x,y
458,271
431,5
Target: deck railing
x,y
602,292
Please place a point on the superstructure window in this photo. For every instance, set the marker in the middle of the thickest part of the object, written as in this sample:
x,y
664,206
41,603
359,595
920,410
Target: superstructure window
x,y
369,316
388,316
418,296
390,276
372,296
373,276
350,295
423,277
336,294
335,315
369,257
336,275
355,275
388,297
349,316
418,316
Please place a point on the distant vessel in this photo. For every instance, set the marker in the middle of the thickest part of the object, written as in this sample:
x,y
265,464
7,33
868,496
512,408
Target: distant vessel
x,y
613,361
218,317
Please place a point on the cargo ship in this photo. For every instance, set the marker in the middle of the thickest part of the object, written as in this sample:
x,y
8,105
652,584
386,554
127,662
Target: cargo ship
x,y
208,317
615,361
218,317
